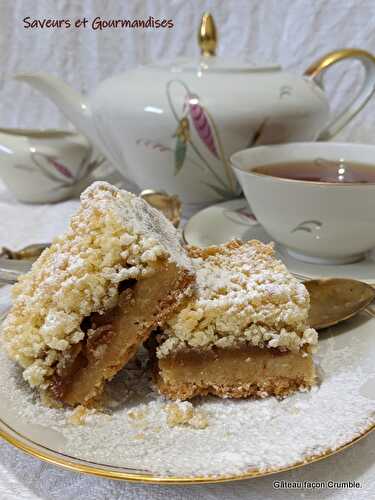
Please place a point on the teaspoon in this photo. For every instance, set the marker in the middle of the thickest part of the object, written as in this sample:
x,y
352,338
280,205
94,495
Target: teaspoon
x,y
334,300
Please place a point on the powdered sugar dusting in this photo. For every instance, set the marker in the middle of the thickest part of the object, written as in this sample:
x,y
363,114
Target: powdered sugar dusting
x,y
240,435
243,294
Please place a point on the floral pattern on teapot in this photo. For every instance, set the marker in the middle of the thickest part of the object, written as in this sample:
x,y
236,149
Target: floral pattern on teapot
x,y
202,149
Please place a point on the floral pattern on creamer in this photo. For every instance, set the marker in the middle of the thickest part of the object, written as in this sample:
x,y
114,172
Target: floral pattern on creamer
x,y
56,171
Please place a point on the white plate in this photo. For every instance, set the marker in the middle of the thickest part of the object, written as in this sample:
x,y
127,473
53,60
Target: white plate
x,y
220,223
243,439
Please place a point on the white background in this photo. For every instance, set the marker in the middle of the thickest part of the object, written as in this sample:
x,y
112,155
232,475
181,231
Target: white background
x,y
292,32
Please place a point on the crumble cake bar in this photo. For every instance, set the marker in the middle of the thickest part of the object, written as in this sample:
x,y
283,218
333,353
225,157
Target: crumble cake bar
x,y
245,333
95,295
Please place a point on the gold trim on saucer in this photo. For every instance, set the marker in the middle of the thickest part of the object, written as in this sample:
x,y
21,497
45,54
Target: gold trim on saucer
x,y
104,471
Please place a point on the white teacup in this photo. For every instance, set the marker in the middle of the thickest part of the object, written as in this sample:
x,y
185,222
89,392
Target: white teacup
x,y
322,222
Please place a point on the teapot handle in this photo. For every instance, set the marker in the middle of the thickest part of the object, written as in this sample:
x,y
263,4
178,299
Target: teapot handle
x,y
317,70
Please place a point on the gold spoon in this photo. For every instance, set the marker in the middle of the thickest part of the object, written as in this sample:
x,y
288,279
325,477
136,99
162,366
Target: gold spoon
x,y
334,300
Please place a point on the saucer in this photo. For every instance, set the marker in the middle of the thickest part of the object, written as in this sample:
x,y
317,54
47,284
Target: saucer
x,y
233,219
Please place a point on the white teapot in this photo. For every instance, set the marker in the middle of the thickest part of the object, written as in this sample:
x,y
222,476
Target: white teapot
x,y
173,126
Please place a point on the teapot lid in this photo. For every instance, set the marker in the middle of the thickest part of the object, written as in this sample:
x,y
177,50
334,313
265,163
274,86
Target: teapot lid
x,y
209,62
215,64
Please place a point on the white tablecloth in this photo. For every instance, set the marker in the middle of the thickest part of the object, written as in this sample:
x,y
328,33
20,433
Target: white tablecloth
x,y
24,477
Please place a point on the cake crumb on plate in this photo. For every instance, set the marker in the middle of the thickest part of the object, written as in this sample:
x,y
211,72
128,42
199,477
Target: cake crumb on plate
x,y
184,413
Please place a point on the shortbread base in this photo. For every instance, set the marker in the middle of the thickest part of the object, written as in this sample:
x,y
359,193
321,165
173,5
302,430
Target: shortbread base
x,y
236,373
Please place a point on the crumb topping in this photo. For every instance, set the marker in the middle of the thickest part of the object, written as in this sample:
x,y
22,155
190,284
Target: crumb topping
x,y
243,294
115,236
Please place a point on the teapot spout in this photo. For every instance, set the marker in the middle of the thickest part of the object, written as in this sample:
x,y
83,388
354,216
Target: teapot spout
x,y
72,104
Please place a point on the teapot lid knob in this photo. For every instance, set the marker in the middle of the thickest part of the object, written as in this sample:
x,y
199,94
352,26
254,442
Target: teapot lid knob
x,y
207,35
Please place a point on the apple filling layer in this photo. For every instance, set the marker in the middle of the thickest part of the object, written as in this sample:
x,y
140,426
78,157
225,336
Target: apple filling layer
x,y
114,337
237,373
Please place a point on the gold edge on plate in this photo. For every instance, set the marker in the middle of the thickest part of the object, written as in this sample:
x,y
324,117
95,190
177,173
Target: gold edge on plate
x,y
97,470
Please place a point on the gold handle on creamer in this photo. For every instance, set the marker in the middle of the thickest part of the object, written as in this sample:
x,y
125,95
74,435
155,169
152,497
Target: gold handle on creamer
x,y
316,72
